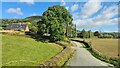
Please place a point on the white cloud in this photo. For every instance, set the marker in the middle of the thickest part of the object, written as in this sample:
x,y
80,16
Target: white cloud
x,y
15,10
63,3
108,13
34,14
84,23
74,7
89,23
67,8
105,18
28,1
15,17
76,15
90,8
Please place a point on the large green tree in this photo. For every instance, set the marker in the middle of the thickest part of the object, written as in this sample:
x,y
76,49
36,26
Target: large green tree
x,y
55,22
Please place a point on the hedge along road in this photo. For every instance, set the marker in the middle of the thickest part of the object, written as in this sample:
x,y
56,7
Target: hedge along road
x,y
83,57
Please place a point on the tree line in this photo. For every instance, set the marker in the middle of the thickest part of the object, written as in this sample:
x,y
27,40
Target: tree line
x,y
97,34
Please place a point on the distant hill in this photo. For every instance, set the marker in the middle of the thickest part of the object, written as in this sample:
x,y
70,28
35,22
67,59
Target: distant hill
x,y
33,18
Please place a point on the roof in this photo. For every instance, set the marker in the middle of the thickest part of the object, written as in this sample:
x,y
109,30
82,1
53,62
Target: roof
x,y
16,26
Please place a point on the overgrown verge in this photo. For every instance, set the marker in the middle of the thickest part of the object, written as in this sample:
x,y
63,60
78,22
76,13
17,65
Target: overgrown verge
x,y
20,33
97,54
11,32
62,57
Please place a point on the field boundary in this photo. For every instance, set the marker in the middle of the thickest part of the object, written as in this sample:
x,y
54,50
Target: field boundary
x,y
12,32
97,54
61,58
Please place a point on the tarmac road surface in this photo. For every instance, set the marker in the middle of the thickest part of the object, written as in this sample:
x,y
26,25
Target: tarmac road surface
x,y
83,57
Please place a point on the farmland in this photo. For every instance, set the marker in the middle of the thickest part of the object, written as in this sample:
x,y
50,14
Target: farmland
x,y
108,47
22,51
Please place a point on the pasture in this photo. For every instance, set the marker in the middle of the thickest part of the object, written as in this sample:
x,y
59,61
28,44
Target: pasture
x,y
23,51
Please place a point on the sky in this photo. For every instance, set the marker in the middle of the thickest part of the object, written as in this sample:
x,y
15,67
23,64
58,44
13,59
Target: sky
x,y
89,15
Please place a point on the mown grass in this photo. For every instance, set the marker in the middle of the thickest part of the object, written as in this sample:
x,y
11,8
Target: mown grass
x,y
23,51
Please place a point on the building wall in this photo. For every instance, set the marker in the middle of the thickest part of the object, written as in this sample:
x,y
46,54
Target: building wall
x,y
27,29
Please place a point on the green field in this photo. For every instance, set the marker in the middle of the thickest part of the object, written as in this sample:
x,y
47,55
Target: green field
x,y
23,51
108,47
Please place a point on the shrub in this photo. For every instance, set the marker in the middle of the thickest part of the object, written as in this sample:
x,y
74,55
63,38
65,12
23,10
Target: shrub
x,y
106,36
34,29
56,37
1,28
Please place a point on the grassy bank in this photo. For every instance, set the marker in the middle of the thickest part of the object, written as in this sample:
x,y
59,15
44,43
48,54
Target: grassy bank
x,y
63,57
22,51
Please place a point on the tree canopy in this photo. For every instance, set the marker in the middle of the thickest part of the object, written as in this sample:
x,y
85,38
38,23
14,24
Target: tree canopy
x,y
55,21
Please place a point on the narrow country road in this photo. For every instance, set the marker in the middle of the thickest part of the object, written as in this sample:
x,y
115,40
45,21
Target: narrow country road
x,y
83,57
